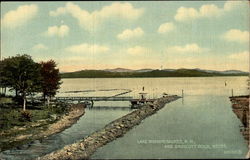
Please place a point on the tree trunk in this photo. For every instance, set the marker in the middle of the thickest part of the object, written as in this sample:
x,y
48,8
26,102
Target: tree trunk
x,y
48,100
24,104
24,101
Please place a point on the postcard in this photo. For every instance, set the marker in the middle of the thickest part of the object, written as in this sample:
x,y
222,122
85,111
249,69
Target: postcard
x,y
124,80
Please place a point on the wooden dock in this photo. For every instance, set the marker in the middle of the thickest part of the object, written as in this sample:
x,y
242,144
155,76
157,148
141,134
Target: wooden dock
x,y
93,98
134,102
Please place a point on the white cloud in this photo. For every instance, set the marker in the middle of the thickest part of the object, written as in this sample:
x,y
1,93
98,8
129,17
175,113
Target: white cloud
x,y
59,31
206,11
39,46
20,16
137,50
242,56
58,11
166,27
128,33
230,5
210,10
90,20
184,14
188,48
87,48
236,35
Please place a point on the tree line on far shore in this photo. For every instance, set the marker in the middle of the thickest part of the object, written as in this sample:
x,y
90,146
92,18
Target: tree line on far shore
x,y
25,77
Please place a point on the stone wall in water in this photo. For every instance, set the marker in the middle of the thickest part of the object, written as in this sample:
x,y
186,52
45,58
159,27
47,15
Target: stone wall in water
x,y
240,106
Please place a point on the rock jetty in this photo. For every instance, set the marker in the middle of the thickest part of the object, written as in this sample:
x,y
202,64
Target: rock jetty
x,y
240,106
83,149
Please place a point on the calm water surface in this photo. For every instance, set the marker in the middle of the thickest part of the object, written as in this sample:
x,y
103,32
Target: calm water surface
x,y
201,125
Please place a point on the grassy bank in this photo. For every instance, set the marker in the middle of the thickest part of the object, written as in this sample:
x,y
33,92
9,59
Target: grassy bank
x,y
14,116
19,127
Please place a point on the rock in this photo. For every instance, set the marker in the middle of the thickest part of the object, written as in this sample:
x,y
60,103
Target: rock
x,y
69,153
53,116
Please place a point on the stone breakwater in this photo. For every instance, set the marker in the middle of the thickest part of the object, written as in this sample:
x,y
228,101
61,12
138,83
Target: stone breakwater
x,y
240,106
85,148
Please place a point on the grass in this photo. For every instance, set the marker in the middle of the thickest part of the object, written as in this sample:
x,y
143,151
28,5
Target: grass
x,y
14,122
13,115
6,100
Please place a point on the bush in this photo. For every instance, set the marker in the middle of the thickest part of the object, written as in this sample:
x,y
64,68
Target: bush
x,y
25,116
58,108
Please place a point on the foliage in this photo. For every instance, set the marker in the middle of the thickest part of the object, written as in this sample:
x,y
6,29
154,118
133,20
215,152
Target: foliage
x,y
58,108
22,74
26,77
18,117
25,116
50,78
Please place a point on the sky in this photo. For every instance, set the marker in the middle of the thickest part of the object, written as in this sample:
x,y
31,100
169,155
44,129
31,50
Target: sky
x,y
118,34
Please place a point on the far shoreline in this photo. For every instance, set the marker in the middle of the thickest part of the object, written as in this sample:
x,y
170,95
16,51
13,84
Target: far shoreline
x,y
152,77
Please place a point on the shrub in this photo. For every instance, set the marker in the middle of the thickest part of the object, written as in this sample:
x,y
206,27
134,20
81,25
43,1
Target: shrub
x,y
25,116
58,108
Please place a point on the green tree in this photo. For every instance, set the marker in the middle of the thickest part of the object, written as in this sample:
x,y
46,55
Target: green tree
x,y
3,84
22,74
50,79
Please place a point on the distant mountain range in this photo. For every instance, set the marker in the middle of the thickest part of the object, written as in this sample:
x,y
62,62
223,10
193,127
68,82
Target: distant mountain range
x,y
123,73
127,70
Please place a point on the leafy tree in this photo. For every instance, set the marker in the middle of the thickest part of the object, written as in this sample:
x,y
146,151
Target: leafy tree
x,y
6,67
50,79
3,84
22,74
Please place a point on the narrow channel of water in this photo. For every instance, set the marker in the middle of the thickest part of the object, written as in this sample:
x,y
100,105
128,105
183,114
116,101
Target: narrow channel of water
x,y
198,127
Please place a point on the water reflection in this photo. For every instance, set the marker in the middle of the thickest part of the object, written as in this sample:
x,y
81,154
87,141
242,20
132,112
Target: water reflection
x,y
110,108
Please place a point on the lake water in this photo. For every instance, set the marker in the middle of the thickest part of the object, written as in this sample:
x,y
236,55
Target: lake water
x,y
201,125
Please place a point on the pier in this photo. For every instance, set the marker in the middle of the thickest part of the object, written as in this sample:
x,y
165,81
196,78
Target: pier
x,y
134,102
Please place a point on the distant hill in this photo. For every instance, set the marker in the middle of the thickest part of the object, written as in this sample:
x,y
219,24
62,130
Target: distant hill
x,y
123,73
223,72
119,70
144,70
233,72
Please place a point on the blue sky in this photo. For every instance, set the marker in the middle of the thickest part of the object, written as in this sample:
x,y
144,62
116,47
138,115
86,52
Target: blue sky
x,y
135,35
